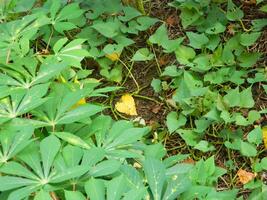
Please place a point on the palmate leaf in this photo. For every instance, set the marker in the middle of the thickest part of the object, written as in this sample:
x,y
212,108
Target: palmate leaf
x,y
115,189
61,18
74,195
22,73
72,53
59,108
40,169
10,182
13,140
72,139
49,148
155,173
95,189
23,101
43,195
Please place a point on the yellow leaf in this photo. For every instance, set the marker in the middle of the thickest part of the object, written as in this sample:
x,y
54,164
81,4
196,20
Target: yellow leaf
x,y
264,136
62,79
79,103
126,105
244,176
113,56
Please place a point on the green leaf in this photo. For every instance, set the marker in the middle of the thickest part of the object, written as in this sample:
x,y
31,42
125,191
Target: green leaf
x,y
9,182
82,112
69,173
215,29
132,176
70,11
23,192
74,195
144,22
105,168
125,138
129,14
255,136
176,186
248,149
204,146
115,188
246,99
248,39
156,85
189,14
49,70
72,53
31,157
197,41
95,189
185,54
264,163
72,155
72,139
108,29
264,8
42,195
49,147
248,59
172,71
155,151
16,169
142,55
155,173
24,5
174,121
135,194
242,99
233,13
160,37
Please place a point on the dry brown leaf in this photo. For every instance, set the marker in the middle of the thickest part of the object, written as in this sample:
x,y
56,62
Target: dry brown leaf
x,y
171,20
163,60
189,161
126,105
249,2
244,176
231,29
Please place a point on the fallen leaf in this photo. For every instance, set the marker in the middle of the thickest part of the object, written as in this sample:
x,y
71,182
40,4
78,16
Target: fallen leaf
x,y
171,20
163,60
244,176
156,109
113,56
249,2
264,136
126,105
189,161
231,29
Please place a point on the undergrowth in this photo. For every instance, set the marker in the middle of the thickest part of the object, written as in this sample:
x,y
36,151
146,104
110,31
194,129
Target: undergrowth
x,y
63,65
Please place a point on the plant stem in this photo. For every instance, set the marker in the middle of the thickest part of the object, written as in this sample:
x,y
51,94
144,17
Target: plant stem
x,y
132,76
147,98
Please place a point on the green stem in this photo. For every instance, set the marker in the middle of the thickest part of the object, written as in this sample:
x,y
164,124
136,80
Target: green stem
x,y
132,76
147,98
